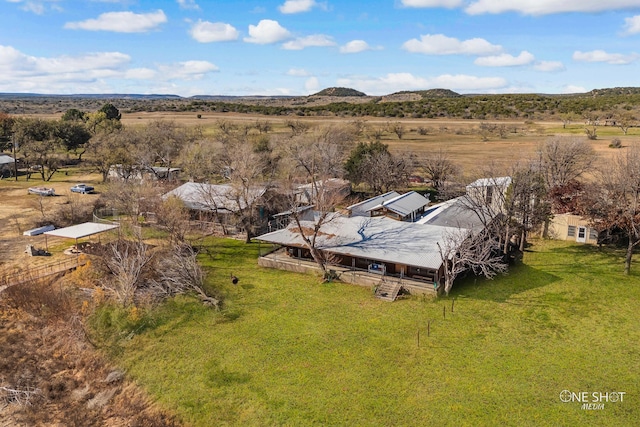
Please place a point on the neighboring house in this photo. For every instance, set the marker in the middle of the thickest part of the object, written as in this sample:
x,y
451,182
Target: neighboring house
x,y
305,193
490,192
221,198
572,227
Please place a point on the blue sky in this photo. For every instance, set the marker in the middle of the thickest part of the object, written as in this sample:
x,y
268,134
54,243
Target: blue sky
x,y
298,47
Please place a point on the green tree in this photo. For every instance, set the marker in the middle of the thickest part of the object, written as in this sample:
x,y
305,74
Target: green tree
x,y
110,111
72,135
6,130
74,115
35,139
354,163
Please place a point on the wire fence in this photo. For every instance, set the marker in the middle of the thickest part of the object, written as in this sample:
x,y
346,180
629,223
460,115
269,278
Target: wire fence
x,y
37,273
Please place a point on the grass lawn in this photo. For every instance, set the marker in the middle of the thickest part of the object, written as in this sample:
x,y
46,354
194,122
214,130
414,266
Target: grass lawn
x,y
288,350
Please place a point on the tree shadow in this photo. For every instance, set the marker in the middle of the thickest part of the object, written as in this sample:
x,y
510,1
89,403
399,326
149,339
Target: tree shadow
x,y
520,278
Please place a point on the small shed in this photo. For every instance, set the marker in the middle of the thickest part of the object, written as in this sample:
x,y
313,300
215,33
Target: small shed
x,y
572,227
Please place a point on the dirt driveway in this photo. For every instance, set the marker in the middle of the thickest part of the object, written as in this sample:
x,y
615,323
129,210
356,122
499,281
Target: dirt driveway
x,y
20,211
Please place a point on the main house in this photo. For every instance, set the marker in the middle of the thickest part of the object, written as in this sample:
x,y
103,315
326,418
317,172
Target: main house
x,y
392,236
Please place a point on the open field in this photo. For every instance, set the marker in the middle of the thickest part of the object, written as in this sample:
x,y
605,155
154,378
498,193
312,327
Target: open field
x,y
288,350
460,138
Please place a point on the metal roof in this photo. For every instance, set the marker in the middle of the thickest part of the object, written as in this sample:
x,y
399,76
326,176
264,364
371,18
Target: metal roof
x,y
404,204
211,197
363,207
6,159
81,230
378,238
452,213
502,181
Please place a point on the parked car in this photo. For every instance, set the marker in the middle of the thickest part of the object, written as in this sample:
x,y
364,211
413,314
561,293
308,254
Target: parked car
x,y
82,188
41,191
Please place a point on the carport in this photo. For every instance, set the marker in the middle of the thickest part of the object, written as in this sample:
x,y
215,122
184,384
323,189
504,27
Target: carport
x,y
80,230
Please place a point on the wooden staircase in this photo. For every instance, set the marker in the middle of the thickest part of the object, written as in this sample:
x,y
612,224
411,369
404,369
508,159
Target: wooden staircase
x,y
388,290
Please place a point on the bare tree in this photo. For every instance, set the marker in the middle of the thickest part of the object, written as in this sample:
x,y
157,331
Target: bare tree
x,y
197,161
297,127
127,262
180,273
614,201
567,119
462,250
315,160
438,168
624,119
383,171
161,143
565,159
115,149
397,128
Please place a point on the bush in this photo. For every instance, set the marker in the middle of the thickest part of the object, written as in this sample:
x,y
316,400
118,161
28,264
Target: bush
x,y
615,143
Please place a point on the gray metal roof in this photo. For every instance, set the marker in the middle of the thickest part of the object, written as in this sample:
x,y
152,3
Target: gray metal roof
x,y
211,197
364,207
6,159
378,238
404,204
501,181
452,213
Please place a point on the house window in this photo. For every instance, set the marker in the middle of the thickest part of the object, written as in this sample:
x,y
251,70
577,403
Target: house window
x,y
571,231
593,234
489,195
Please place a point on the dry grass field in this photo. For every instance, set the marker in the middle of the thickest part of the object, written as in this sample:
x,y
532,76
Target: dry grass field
x,y
460,138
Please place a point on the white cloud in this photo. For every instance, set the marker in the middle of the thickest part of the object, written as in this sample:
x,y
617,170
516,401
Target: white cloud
x,y
188,70
549,66
298,72
439,44
632,25
35,6
89,73
207,32
602,56
121,22
505,60
297,6
25,73
449,4
573,89
395,82
312,85
546,7
266,32
188,4
357,46
314,40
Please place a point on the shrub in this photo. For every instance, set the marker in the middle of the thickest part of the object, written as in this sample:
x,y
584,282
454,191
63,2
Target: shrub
x,y
615,143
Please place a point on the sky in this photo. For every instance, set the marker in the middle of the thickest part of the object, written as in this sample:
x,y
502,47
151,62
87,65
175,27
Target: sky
x,y
298,47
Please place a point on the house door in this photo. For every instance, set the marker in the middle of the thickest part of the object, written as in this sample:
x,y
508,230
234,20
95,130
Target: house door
x,y
582,235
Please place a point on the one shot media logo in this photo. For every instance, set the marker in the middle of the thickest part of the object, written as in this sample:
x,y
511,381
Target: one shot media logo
x,y
592,400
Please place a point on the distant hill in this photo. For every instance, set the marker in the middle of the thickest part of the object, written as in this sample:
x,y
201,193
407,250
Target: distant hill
x,y
431,93
345,102
615,91
339,91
